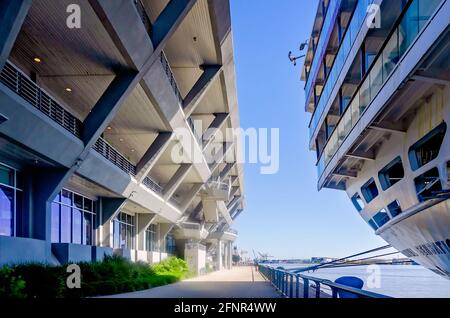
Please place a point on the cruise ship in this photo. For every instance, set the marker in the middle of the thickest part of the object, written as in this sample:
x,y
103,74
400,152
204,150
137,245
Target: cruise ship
x,y
96,97
377,85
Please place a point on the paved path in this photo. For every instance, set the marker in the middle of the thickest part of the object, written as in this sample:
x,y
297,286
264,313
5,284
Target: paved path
x,y
240,282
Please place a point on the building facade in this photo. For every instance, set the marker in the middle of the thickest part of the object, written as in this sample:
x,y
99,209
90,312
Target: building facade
x,y
112,121
377,85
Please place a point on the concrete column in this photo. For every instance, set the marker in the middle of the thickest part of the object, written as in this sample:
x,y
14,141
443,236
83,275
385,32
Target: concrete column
x,y
174,182
110,207
143,222
219,255
12,16
230,253
169,20
190,196
216,125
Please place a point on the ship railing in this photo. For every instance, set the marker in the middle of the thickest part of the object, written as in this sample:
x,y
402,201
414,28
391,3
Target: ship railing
x,y
114,156
18,82
294,285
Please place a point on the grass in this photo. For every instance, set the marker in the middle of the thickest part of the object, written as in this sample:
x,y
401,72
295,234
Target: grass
x,y
113,275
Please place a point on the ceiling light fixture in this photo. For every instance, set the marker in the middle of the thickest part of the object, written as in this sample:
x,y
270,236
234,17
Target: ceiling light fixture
x,y
68,89
37,60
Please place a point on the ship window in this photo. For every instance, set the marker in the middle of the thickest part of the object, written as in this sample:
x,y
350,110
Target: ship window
x,y
428,185
358,202
369,190
448,173
394,208
427,148
381,218
391,174
373,225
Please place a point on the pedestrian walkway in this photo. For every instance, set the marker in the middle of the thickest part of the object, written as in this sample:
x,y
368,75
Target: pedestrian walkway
x,y
239,282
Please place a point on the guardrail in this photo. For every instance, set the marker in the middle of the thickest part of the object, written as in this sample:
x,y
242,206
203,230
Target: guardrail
x,y
288,284
19,83
107,151
152,185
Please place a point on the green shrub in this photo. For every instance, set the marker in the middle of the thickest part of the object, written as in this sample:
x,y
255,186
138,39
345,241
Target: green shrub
x,y
11,285
114,275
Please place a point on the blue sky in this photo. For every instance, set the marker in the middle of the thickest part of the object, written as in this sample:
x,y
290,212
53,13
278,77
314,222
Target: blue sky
x,y
285,216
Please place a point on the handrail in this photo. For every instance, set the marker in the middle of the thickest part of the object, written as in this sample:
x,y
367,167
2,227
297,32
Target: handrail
x,y
115,157
170,76
13,78
288,284
152,185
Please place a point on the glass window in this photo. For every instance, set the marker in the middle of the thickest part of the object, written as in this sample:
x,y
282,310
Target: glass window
x,y
390,55
394,208
170,244
427,149
373,225
55,223
391,174
6,211
358,202
70,222
369,190
381,218
6,176
409,27
448,173
428,185
151,238
124,231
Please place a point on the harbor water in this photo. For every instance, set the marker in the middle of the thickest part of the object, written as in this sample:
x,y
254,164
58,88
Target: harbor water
x,y
405,281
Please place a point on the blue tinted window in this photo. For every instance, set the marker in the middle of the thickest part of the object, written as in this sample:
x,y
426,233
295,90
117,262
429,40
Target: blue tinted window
x,y
55,223
394,208
6,211
381,218
358,202
369,190
428,185
373,225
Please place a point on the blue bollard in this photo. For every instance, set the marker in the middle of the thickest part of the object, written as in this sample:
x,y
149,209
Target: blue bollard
x,y
350,281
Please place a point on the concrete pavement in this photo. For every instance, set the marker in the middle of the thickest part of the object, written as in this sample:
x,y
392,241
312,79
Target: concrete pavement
x,y
239,282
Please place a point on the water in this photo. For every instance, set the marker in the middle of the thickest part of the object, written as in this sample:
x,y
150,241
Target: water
x,y
406,281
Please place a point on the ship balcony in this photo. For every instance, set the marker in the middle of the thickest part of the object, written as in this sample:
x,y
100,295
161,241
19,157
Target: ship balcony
x,y
410,65
331,93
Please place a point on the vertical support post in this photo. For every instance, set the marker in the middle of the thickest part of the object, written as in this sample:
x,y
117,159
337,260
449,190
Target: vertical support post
x,y
291,292
305,288
317,290
297,287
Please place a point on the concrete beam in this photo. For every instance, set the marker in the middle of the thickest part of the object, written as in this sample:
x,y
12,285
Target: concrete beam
x,y
190,196
226,171
107,106
151,156
169,20
234,202
118,18
174,182
110,208
47,183
233,191
237,214
193,98
387,129
227,146
216,125
12,16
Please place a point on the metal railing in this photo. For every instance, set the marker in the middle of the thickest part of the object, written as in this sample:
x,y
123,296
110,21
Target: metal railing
x,y
144,17
170,76
411,23
152,185
107,151
18,82
232,231
293,285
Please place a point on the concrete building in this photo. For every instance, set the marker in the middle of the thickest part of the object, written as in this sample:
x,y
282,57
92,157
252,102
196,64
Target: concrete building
x,y
112,121
377,83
